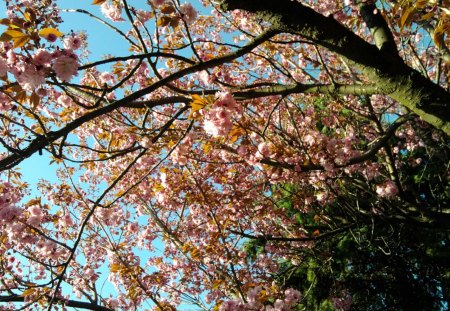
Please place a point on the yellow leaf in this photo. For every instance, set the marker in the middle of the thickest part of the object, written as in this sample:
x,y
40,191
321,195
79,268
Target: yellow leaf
x,y
421,4
197,104
206,148
195,253
163,21
19,42
15,34
158,187
44,32
438,35
34,100
98,2
167,9
216,284
427,16
406,17
28,292
21,97
5,21
235,134
27,16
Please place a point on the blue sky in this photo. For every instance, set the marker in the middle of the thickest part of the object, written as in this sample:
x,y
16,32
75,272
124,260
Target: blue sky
x,y
101,41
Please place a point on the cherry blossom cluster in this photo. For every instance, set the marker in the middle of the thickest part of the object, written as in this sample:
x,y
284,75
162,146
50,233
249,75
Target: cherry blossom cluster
x,y
31,72
9,197
253,301
218,119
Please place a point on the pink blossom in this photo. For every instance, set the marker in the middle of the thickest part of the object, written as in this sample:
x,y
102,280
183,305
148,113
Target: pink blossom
x,y
29,78
188,12
35,210
11,57
343,303
106,77
225,99
72,42
158,2
146,142
66,66
113,12
5,102
387,189
144,15
34,221
206,78
42,57
263,150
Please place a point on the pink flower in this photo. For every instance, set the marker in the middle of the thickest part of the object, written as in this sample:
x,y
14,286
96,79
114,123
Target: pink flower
x,y
5,102
188,13
72,42
144,15
106,77
30,78
158,2
113,12
263,151
206,78
388,189
35,210
42,57
34,221
225,99
66,66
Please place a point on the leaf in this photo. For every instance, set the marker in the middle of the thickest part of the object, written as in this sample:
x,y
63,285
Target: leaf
x,y
27,17
15,34
21,97
5,21
235,134
164,21
28,292
158,187
34,100
407,15
427,16
4,37
167,9
45,32
197,103
420,4
439,32
98,2
217,283
19,42
19,38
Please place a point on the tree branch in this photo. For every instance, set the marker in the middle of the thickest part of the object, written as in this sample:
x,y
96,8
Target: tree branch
x,y
67,303
394,78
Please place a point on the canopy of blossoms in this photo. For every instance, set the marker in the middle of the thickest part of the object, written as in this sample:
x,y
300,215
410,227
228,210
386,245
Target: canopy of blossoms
x,y
172,157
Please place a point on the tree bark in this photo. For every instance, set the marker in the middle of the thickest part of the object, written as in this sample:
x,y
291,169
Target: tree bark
x,y
394,78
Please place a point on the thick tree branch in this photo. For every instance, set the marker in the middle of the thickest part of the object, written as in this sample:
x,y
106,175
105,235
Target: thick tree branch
x,y
382,35
43,141
67,303
394,78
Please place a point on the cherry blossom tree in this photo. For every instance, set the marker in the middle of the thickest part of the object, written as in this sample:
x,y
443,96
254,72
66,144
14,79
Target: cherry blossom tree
x,y
234,140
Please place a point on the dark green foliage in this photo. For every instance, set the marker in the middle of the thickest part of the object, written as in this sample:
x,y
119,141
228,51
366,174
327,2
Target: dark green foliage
x,y
386,253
